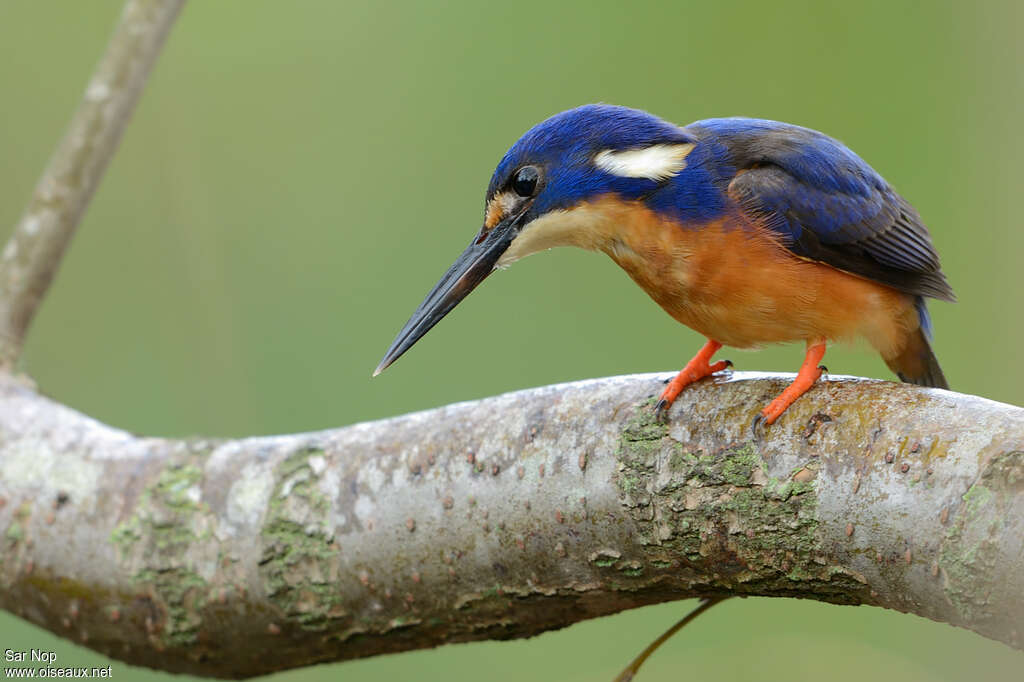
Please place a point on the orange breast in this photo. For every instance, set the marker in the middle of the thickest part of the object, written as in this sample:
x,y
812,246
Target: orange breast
x,y
734,282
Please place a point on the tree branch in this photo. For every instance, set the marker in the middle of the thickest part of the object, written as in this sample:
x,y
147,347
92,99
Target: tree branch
x,y
506,517
30,259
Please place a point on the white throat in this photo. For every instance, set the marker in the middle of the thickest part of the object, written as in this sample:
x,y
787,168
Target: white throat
x,y
587,226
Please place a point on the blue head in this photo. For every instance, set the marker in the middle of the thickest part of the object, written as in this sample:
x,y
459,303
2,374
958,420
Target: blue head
x,y
569,161
572,152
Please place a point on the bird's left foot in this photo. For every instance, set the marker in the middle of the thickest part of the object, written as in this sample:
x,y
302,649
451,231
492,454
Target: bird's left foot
x,y
696,369
809,373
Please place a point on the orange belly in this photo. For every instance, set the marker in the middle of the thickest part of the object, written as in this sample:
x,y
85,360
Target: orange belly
x,y
734,282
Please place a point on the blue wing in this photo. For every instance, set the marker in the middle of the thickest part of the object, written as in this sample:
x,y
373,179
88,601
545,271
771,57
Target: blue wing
x,y
828,204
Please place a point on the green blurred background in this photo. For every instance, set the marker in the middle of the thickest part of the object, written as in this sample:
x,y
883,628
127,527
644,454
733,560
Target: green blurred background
x,y
298,174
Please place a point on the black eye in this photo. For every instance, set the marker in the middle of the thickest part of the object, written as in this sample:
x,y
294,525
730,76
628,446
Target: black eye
x,y
525,181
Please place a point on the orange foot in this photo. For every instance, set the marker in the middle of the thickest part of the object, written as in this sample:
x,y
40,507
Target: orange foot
x,y
809,372
695,370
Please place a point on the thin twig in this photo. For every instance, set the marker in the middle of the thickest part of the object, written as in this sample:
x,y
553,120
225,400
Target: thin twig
x,y
631,670
29,261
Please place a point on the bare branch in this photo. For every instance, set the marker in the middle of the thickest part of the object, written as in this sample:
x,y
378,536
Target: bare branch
x,y
506,517
33,253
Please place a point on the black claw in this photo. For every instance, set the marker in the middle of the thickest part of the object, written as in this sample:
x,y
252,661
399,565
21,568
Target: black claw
x,y
757,426
823,368
661,410
728,363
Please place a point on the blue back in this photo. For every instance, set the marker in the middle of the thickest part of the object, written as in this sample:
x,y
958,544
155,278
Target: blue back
x,y
827,203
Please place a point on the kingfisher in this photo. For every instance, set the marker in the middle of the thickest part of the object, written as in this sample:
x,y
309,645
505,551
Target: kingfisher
x,y
748,231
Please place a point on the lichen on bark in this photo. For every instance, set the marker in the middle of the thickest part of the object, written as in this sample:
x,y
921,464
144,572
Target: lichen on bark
x,y
977,541
299,561
162,546
718,518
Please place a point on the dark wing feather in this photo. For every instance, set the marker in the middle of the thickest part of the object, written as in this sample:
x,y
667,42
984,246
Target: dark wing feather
x,y
829,205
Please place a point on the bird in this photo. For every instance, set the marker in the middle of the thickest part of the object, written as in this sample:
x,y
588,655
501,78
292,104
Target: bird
x,y
748,231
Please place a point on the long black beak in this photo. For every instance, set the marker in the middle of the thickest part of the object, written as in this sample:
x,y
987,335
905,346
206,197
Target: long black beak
x,y
471,268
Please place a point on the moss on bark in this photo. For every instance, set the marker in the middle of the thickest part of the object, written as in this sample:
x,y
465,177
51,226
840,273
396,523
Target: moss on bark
x,y
721,522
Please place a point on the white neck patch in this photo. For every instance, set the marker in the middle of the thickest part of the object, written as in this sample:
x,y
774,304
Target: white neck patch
x,y
657,162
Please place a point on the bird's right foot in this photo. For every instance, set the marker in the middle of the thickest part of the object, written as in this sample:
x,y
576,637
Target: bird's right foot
x,y
696,369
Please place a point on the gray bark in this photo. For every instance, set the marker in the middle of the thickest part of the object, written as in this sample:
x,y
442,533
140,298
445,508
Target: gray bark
x,y
505,517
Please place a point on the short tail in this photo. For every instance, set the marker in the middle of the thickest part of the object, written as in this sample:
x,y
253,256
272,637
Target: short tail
x,y
916,363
